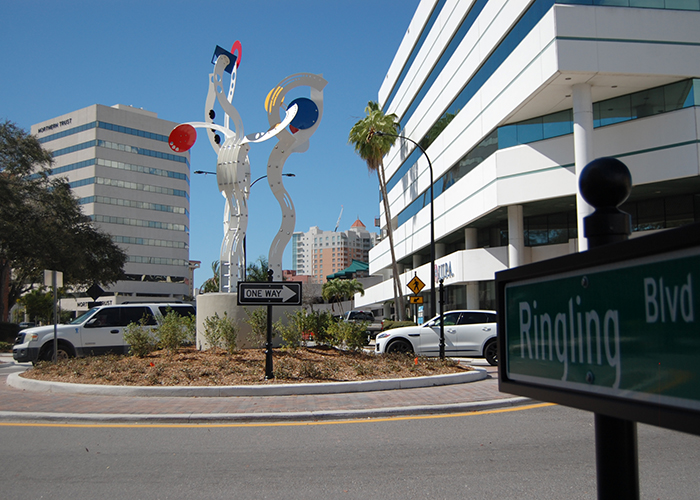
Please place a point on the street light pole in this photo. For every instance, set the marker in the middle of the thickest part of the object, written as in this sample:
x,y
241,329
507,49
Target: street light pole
x,y
432,221
245,250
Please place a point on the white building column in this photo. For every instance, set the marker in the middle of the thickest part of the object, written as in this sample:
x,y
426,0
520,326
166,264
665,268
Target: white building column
x,y
470,241
387,310
473,295
439,250
417,261
516,236
470,238
583,150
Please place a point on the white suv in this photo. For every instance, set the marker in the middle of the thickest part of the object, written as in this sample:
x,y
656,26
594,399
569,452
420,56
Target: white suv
x,y
467,334
98,331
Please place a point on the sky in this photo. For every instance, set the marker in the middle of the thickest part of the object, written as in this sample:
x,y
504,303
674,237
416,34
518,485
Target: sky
x,y
58,57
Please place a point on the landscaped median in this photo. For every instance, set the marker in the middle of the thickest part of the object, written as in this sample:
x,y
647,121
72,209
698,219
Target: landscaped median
x,y
189,372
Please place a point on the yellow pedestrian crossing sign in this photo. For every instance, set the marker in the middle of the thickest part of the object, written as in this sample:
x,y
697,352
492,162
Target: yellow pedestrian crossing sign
x,y
416,285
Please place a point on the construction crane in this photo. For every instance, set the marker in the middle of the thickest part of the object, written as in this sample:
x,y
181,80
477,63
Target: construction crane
x,y
338,223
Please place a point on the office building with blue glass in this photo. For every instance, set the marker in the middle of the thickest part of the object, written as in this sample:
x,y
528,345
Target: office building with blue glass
x,y
510,100
134,187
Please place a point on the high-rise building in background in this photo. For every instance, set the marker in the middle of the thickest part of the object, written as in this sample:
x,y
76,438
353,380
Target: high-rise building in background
x,y
128,180
320,253
510,100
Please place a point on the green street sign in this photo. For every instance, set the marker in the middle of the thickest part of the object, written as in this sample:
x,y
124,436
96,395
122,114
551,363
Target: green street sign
x,y
602,330
631,332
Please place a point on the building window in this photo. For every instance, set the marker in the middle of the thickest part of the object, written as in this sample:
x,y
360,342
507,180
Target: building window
x,y
487,295
550,229
629,107
493,236
663,213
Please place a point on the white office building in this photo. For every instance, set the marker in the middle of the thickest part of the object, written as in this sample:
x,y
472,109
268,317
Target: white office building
x,y
511,99
128,180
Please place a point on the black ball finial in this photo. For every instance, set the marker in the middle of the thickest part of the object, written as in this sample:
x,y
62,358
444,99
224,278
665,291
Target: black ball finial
x,y
605,183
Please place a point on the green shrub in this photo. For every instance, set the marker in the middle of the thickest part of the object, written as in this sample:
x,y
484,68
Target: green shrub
x,y
175,331
348,333
283,369
309,369
221,332
140,339
318,324
354,334
334,334
364,369
257,319
293,332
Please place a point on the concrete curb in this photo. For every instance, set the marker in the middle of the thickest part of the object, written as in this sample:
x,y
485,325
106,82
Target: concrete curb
x,y
14,380
234,418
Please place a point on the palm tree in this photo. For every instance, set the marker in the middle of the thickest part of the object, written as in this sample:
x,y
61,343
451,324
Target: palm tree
x,y
212,284
372,148
337,290
258,270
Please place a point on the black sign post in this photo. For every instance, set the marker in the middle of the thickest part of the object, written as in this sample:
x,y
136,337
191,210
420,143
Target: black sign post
x,y
442,319
606,183
269,372
270,293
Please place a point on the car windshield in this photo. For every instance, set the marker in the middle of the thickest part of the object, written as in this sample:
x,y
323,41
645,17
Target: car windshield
x,y
433,322
451,318
83,317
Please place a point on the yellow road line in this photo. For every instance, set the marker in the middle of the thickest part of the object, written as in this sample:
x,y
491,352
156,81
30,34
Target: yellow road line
x,y
282,424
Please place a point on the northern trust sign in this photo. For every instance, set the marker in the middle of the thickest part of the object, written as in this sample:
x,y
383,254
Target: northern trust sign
x,y
55,125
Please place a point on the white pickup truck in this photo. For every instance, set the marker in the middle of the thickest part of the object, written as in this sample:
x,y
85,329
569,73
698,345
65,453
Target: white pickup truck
x,y
98,331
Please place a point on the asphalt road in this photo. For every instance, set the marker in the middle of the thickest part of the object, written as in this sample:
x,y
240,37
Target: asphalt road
x,y
522,453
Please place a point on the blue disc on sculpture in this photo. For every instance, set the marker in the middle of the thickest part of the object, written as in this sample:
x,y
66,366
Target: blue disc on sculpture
x,y
307,114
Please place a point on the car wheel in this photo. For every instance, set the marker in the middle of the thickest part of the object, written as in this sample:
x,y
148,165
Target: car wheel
x,y
399,346
65,351
491,352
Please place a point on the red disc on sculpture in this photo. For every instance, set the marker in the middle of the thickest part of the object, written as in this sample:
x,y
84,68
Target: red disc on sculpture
x,y
182,138
237,45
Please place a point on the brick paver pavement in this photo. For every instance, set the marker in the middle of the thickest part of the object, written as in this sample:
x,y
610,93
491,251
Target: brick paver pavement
x,y
20,401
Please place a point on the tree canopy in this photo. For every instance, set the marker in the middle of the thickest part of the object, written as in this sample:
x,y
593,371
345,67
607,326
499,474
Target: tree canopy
x,y
371,146
212,284
42,225
257,271
337,290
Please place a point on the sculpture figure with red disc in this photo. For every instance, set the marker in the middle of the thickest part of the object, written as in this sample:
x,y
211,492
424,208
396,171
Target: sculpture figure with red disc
x,y
301,117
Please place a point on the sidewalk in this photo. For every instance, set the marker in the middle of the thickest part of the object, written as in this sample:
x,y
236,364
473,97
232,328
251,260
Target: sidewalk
x,y
18,405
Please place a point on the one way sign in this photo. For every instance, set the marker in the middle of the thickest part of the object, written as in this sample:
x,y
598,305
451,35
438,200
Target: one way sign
x,y
269,293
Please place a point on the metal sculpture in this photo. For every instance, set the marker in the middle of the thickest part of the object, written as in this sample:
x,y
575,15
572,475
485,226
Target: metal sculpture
x,y
302,117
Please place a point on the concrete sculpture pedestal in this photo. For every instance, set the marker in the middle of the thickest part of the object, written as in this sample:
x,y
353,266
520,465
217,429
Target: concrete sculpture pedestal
x,y
210,303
